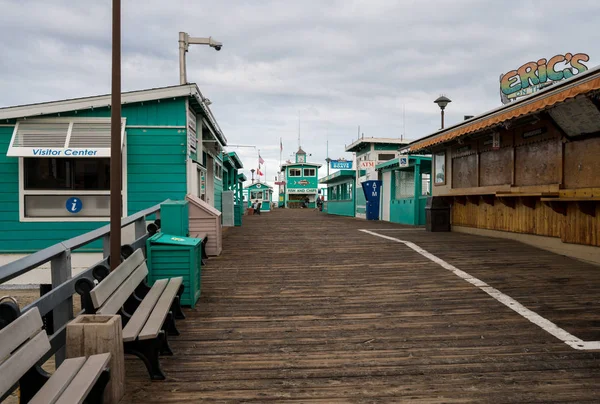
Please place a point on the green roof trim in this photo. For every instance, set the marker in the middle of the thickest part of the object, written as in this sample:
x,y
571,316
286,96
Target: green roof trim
x,y
412,160
233,159
338,175
242,177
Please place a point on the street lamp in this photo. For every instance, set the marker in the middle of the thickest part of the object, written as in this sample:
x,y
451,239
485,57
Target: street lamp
x,y
328,160
442,102
184,41
252,171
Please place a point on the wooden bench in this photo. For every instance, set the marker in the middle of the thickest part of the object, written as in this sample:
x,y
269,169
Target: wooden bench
x,y
148,313
23,344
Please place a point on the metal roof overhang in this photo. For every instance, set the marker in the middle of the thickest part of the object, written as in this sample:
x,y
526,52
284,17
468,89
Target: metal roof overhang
x,y
580,84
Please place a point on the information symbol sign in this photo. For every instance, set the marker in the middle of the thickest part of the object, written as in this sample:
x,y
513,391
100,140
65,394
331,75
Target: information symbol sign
x,y
74,205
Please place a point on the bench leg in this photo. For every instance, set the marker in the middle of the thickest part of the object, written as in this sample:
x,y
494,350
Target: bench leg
x,y
165,348
31,382
96,395
176,306
148,351
169,325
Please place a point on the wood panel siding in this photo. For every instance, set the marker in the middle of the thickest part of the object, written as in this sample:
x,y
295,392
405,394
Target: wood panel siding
x,y
579,228
464,171
582,163
537,163
495,167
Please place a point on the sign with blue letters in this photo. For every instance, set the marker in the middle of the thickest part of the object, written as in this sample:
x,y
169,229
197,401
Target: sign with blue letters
x,y
74,205
372,190
341,165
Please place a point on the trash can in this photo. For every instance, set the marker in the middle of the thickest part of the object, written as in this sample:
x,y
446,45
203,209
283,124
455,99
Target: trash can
x,y
171,255
174,218
437,212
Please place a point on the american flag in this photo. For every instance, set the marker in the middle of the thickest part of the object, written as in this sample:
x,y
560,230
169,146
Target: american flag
x,y
260,160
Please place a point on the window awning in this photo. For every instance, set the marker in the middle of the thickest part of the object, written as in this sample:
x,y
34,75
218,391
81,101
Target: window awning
x,y
62,137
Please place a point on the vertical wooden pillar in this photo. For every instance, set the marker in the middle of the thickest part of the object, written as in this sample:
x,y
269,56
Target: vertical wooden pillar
x,y
94,334
60,268
418,191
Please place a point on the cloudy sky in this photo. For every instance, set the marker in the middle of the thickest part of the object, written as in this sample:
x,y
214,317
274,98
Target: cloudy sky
x,y
335,64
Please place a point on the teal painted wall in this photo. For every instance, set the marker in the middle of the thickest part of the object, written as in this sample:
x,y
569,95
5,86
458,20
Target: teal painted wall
x,y
292,182
156,171
341,208
388,147
403,211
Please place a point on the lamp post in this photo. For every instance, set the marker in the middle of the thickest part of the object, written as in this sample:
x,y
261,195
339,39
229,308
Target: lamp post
x,y
115,140
252,171
328,160
442,102
184,41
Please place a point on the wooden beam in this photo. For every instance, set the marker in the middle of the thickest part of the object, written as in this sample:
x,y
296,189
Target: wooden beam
x,y
558,207
587,207
474,199
529,201
460,199
509,202
488,199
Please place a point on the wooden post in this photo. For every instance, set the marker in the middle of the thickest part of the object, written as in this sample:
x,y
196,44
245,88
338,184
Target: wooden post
x,y
94,334
60,269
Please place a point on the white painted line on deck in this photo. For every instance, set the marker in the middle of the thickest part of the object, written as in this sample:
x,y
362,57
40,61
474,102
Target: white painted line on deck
x,y
409,229
508,301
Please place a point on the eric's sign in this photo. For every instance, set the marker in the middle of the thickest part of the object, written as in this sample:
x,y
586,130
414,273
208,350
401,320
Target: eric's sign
x,y
533,76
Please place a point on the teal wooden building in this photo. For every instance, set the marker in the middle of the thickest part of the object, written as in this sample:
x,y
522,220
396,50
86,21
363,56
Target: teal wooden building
x,y
406,186
340,193
368,153
301,181
232,183
54,162
261,192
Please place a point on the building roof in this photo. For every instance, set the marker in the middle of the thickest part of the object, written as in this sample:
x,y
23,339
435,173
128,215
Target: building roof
x,y
364,141
242,177
300,151
257,183
233,159
338,175
301,164
544,99
102,101
396,162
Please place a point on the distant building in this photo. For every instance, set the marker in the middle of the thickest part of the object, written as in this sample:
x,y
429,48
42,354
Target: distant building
x,y
301,182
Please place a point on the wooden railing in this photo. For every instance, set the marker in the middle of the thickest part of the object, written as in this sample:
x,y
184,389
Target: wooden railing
x,y
57,304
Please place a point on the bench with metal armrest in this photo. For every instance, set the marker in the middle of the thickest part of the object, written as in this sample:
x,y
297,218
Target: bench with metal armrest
x,y
148,313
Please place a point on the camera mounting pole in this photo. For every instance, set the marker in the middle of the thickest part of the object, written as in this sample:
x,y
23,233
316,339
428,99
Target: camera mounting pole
x,y
184,41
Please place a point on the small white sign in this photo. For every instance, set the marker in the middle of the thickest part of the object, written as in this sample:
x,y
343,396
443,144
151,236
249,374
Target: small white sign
x,y
302,191
403,161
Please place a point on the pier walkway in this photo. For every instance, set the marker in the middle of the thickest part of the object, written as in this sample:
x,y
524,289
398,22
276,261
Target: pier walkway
x,y
306,307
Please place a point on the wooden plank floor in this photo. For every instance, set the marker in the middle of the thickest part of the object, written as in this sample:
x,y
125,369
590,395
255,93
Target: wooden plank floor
x,y
302,306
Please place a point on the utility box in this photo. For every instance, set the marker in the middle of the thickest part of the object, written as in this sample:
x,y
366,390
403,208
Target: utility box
x,y
174,218
169,256
205,220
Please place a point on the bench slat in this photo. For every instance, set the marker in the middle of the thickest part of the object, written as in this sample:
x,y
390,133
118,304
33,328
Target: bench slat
x,y
114,303
81,384
137,321
19,331
59,381
25,357
157,318
105,289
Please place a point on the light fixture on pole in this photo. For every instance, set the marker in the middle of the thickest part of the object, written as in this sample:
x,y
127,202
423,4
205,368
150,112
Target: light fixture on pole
x,y
252,171
184,41
328,160
442,101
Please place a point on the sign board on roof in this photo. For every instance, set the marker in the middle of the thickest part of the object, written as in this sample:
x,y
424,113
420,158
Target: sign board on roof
x,y
533,76
341,165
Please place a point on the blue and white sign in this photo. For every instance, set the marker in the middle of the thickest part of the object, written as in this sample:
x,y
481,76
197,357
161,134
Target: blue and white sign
x,y
74,205
403,161
341,165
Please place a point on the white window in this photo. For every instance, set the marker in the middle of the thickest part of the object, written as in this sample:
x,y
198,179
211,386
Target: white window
x,y
254,195
64,169
404,184
295,172
309,172
218,171
439,160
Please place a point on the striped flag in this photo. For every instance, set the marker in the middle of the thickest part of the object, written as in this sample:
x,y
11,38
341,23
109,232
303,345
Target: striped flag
x,y
260,160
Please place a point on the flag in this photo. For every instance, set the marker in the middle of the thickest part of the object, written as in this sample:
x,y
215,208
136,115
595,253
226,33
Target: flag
x,y
260,160
260,173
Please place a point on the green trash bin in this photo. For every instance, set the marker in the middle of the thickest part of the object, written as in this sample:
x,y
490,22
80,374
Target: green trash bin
x,y
169,256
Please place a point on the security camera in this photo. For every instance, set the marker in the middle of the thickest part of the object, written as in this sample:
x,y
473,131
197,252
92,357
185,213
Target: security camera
x,y
218,47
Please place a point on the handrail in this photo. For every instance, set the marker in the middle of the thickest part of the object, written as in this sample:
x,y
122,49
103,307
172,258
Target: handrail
x,y
32,261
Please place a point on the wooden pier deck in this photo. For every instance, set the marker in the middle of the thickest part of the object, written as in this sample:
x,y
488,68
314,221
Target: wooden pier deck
x,y
304,307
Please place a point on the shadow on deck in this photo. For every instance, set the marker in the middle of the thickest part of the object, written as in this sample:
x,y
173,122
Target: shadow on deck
x,y
304,306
